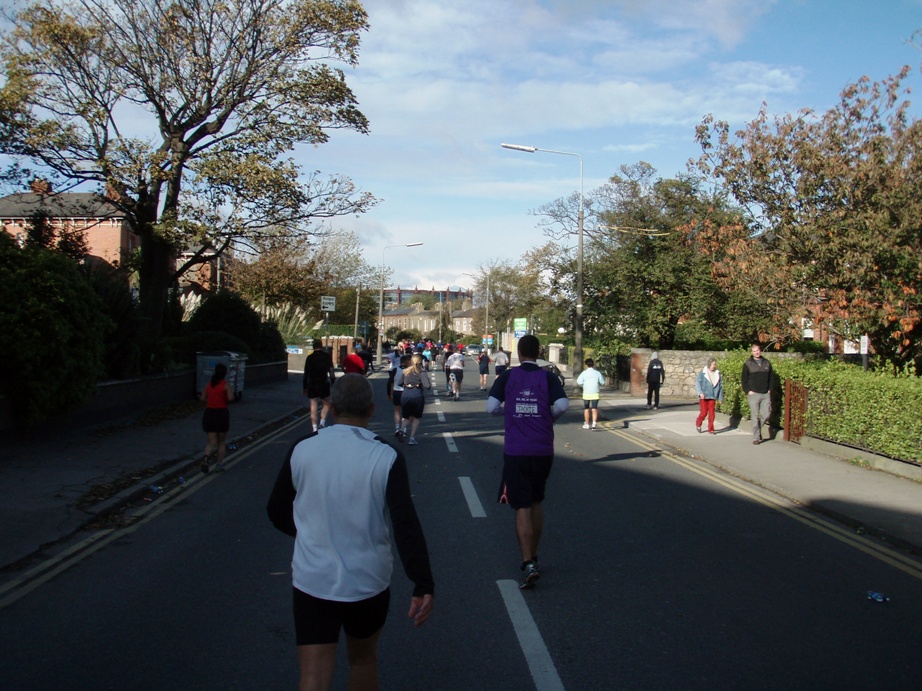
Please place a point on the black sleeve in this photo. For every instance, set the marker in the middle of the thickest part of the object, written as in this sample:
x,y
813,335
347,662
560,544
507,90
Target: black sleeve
x,y
744,378
281,502
408,533
498,390
555,388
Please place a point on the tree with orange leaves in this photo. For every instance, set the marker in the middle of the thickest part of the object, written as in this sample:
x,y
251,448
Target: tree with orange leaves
x,y
835,215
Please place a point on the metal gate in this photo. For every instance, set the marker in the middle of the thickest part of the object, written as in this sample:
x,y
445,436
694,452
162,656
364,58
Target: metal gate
x,y
795,410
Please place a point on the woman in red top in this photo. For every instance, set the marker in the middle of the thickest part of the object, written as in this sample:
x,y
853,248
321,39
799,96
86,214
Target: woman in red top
x,y
216,420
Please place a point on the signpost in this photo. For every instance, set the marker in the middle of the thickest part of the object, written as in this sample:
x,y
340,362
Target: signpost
x,y
327,305
520,324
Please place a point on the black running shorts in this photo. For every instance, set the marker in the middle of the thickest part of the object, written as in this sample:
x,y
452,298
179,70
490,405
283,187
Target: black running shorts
x,y
524,480
317,622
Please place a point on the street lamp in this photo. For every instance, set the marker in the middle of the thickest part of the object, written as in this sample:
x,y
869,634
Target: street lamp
x,y
578,331
486,316
381,299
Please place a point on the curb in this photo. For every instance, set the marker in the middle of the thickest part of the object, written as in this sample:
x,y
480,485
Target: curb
x,y
179,467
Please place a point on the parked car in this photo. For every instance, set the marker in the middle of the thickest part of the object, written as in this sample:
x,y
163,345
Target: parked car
x,y
473,350
552,368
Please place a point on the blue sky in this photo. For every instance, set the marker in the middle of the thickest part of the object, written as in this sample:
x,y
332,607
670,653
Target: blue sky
x,y
443,83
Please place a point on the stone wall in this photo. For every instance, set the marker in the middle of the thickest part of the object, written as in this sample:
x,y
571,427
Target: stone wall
x,y
682,366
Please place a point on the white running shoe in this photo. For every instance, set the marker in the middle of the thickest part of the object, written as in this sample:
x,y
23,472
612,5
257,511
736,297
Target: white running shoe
x,y
585,425
413,441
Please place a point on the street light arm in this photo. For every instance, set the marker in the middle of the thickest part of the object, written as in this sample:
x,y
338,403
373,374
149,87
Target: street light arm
x,y
520,147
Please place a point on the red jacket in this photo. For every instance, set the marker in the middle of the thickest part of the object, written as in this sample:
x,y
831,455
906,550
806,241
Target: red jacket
x,y
354,364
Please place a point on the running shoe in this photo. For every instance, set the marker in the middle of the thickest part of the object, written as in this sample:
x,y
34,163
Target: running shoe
x,y
530,575
585,425
413,441
593,426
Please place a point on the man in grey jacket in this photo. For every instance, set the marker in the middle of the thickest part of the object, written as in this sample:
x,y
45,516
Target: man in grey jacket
x,y
757,380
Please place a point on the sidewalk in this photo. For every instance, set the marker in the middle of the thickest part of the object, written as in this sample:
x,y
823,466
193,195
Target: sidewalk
x,y
871,501
43,481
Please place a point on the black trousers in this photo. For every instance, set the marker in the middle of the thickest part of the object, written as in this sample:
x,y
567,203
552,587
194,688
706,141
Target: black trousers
x,y
653,394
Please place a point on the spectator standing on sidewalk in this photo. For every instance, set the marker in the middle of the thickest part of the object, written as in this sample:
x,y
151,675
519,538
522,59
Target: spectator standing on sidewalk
x,y
216,419
530,399
332,495
758,379
318,378
590,380
710,389
656,377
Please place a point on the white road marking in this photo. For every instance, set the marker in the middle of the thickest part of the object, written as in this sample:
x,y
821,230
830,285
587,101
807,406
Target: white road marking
x,y
451,442
538,658
473,501
440,415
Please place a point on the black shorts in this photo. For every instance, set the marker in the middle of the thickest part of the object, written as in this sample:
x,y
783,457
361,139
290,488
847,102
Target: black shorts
x,y
524,480
590,403
458,374
412,404
500,369
317,621
396,397
216,420
318,389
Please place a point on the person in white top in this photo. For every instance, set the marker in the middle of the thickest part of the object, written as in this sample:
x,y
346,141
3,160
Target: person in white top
x,y
455,365
590,380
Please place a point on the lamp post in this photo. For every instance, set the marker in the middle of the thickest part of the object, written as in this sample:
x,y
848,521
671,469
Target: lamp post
x,y
486,316
381,299
578,330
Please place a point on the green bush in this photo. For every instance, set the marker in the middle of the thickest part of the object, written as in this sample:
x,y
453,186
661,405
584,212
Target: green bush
x,y
876,411
227,312
271,344
52,333
183,349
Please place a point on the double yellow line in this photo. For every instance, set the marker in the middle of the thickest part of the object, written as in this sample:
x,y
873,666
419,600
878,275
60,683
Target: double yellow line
x,y
871,547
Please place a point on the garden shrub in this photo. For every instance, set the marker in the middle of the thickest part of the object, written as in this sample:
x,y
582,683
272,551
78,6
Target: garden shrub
x,y
52,333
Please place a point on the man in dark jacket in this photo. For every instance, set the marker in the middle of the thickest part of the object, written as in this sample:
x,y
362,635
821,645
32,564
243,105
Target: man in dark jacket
x,y
757,380
656,376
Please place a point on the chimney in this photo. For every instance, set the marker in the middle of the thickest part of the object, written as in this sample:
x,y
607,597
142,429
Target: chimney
x,y
40,186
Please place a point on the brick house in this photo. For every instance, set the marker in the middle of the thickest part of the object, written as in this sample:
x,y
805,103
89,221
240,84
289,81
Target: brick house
x,y
109,234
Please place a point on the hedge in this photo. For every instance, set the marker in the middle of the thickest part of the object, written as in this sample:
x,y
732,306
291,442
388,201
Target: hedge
x,y
874,411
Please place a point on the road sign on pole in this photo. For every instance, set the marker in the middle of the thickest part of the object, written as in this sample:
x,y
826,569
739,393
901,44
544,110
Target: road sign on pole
x,y
328,303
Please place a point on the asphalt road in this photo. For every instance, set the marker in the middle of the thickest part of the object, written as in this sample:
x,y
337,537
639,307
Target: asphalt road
x,y
659,573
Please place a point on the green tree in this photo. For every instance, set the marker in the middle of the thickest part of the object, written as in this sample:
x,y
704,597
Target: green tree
x,y
52,332
646,267
834,202
229,87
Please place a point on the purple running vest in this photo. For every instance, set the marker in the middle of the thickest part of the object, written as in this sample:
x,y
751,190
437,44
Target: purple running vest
x,y
527,410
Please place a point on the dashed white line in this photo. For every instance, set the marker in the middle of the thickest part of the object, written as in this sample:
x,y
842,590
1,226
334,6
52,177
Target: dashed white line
x,y
440,415
543,672
473,501
450,442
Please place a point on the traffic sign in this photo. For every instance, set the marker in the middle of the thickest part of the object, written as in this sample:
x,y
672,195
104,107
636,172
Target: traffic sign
x,y
328,303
